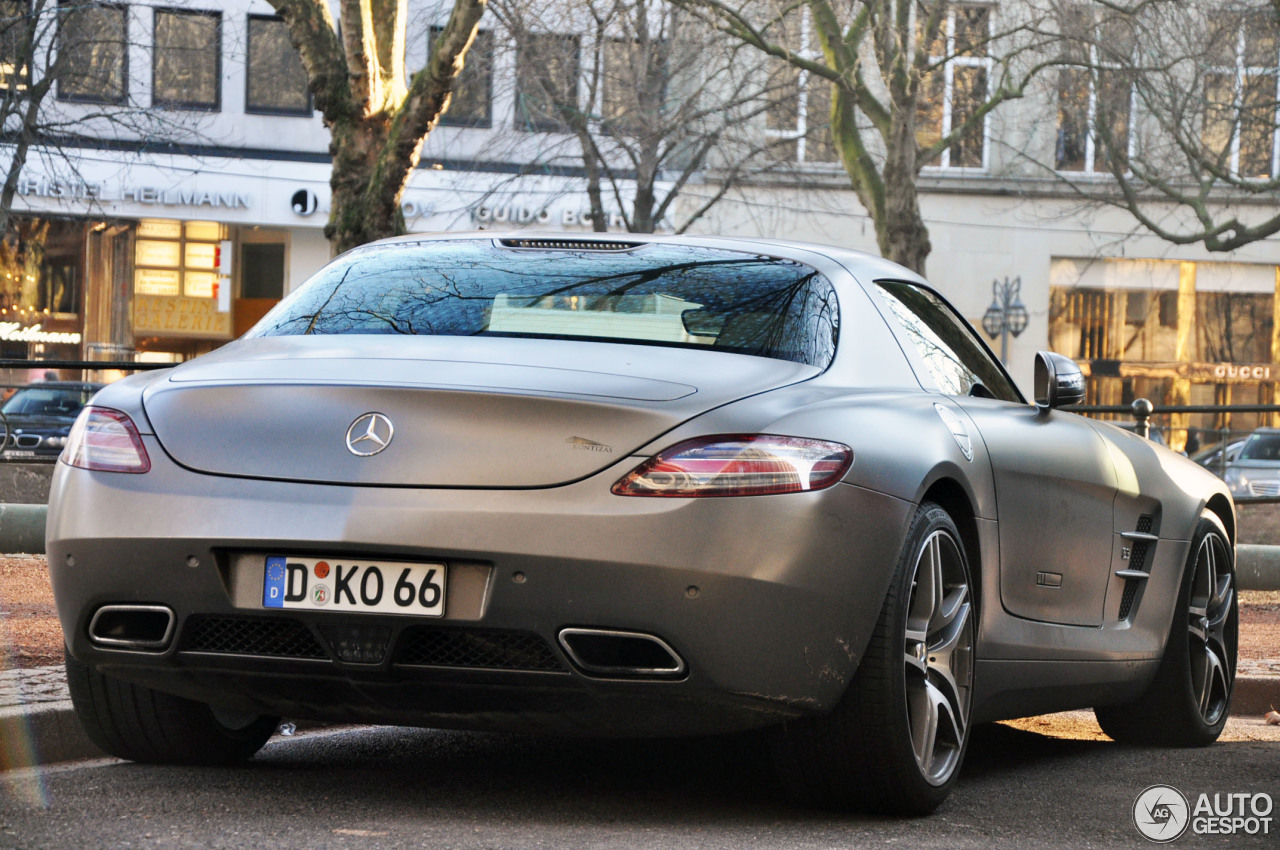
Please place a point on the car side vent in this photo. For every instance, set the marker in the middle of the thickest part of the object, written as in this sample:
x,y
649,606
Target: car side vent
x,y
1137,563
568,245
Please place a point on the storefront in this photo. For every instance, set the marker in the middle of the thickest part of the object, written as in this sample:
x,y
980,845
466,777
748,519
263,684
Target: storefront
x,y
1178,333
164,261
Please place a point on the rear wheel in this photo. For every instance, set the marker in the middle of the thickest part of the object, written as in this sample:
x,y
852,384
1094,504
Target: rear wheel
x,y
140,724
1186,705
895,742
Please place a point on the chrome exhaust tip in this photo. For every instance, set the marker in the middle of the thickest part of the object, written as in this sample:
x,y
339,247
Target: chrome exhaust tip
x,y
616,654
147,628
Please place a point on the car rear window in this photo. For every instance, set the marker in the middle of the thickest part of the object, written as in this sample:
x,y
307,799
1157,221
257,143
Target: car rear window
x,y
673,295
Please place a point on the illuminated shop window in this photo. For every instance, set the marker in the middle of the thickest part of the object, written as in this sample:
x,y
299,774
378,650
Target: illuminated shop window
x,y
40,269
177,258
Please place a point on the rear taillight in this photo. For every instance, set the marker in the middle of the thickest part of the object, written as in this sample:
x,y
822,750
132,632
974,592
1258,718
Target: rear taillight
x,y
105,440
739,465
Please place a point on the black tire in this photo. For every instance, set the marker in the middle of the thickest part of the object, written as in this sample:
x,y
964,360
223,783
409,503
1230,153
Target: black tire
x,y
1188,701
140,724
877,752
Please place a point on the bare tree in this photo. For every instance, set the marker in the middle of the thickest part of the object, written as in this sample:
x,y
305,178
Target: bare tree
x,y
1184,110
644,95
912,83
377,122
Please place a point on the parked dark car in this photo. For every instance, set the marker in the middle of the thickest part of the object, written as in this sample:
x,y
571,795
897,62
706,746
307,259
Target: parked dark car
x,y
37,418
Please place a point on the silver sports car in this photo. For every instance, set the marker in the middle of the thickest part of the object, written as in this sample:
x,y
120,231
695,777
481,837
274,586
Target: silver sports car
x,y
632,486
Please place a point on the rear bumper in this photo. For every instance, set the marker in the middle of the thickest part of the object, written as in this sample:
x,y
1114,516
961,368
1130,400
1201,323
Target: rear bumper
x,y
768,601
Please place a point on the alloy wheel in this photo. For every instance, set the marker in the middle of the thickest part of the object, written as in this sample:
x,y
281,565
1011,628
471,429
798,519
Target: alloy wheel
x,y
1209,621
938,657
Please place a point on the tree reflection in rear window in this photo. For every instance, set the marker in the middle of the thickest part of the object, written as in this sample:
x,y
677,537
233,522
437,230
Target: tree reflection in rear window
x,y
672,295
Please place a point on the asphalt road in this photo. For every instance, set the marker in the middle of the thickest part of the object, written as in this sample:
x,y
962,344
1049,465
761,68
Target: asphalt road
x,y
392,787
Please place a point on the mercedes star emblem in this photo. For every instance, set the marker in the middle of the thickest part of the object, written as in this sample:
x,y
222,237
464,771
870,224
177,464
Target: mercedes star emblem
x,y
369,434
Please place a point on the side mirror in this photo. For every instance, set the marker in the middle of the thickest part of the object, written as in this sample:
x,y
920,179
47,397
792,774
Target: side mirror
x,y
1058,381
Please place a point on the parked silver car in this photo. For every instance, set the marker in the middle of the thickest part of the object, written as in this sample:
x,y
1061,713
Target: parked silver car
x,y
1255,471
633,486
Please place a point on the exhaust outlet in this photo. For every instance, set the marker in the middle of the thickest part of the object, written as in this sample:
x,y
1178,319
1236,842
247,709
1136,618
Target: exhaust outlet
x,y
614,654
147,628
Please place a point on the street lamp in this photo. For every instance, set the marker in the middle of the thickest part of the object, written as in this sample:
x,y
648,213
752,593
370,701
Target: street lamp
x,y
1006,315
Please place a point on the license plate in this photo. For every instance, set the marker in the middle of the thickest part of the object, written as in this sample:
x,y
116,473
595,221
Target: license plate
x,y
342,584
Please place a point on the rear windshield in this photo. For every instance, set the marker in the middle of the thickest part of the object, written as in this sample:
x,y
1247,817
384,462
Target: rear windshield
x,y
671,295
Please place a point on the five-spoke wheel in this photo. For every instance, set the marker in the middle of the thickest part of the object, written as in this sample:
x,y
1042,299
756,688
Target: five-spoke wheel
x,y
1211,628
895,741
1187,702
939,656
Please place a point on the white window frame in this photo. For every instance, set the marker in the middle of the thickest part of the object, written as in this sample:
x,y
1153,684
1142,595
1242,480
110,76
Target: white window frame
x,y
799,134
1091,115
948,90
1239,73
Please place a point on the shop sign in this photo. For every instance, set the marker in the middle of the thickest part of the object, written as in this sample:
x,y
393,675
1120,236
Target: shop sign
x,y
1199,373
519,214
173,315
183,196
15,332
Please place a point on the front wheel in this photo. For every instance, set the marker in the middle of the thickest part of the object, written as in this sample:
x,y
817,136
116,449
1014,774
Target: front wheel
x,y
140,724
895,742
1187,703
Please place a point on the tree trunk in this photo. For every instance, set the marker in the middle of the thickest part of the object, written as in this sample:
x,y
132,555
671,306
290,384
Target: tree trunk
x,y
357,214
901,232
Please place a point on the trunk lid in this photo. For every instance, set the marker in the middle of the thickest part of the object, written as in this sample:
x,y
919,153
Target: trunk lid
x,y
465,412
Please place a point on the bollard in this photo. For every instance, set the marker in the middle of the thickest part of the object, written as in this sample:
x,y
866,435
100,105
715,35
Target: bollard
x,y
22,529
1142,410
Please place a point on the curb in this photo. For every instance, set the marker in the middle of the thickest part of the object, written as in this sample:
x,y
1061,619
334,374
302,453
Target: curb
x,y
32,736
40,734
1254,696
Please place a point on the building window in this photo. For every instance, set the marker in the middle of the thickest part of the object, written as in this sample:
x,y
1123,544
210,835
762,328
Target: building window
x,y
188,59
92,63
546,81
177,258
15,49
1240,92
276,82
633,86
1095,98
952,93
262,270
472,101
798,113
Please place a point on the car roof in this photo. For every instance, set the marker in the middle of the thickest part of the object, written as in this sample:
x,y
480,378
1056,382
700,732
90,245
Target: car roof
x,y
866,267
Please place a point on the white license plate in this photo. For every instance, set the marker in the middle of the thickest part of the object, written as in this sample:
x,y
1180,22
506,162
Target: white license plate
x,y
356,586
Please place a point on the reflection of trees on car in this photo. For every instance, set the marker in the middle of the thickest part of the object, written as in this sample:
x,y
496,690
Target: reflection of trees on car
x,y
776,308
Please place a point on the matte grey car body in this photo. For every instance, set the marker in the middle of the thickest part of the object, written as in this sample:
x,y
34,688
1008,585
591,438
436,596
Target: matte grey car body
x,y
1060,545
